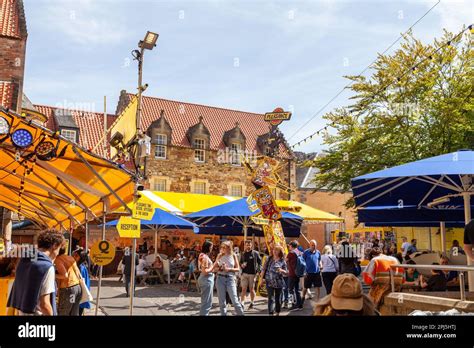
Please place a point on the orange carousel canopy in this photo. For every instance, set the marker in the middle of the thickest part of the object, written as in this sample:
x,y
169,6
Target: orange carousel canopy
x,y
55,182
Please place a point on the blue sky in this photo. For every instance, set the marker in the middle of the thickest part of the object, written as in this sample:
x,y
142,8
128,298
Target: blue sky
x,y
245,55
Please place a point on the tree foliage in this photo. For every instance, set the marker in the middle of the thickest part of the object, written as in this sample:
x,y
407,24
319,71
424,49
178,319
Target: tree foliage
x,y
401,114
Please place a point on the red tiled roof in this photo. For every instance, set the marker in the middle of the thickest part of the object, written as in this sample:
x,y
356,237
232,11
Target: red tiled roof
x,y
6,94
181,116
10,18
91,126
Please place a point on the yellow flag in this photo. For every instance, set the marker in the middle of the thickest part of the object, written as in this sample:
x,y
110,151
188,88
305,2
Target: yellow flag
x,y
126,123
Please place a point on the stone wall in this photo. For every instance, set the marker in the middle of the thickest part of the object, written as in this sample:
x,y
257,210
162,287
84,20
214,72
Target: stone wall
x,y
180,170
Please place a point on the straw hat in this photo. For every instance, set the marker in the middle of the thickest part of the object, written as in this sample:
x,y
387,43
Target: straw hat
x,y
346,293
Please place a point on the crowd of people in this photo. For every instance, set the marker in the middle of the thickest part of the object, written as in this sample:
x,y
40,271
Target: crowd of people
x,y
51,282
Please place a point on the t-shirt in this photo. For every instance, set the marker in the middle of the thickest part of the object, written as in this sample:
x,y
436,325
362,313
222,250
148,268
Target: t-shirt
x,y
405,246
251,260
291,264
469,233
413,277
48,286
329,263
437,283
312,260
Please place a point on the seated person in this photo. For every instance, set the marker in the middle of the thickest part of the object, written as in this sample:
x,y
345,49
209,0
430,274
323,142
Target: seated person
x,y
412,277
142,264
158,263
437,281
452,278
456,249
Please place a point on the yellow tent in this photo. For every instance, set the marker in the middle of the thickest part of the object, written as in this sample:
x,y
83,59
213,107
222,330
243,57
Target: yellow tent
x,y
308,213
52,181
186,203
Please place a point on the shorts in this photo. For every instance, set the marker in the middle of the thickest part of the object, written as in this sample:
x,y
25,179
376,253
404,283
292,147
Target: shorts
x,y
247,281
312,279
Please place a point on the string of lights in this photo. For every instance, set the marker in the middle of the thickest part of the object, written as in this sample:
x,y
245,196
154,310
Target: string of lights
x,y
364,70
384,88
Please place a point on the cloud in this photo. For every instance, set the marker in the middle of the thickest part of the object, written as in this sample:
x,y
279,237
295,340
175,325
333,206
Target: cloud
x,y
454,14
82,22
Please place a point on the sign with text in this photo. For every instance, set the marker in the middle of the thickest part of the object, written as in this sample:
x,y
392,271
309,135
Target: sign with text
x,y
143,209
276,117
102,253
128,227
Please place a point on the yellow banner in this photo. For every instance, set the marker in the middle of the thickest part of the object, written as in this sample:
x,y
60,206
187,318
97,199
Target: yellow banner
x,y
143,209
126,123
102,253
128,227
273,233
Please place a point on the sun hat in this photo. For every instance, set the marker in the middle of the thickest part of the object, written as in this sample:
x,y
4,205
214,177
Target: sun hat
x,y
346,293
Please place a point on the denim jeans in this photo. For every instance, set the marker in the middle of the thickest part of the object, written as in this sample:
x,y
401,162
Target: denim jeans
x,y
206,285
274,299
228,285
294,288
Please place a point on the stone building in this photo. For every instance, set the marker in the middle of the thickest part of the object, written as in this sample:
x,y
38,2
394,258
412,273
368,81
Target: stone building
x,y
196,148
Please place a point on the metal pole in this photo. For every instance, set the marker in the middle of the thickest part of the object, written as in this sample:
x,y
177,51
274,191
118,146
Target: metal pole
x,y
100,267
132,275
467,219
71,229
442,230
105,126
86,246
431,241
245,232
156,242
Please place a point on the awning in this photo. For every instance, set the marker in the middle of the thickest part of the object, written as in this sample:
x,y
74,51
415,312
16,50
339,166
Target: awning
x,y
188,203
52,181
309,214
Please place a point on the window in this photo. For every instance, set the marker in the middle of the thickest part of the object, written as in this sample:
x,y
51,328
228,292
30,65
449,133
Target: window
x,y
236,190
159,185
200,187
268,151
199,152
160,147
235,154
69,134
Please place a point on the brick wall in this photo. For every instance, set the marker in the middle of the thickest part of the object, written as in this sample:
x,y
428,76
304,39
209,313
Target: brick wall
x,y
12,65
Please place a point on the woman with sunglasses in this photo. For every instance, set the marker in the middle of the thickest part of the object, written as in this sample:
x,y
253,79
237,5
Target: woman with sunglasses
x,y
226,266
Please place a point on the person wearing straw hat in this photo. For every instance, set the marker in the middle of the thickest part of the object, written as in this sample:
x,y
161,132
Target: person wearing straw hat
x,y
346,299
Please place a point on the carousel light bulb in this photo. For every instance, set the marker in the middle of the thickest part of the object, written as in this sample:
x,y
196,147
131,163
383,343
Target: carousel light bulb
x,y
4,126
22,138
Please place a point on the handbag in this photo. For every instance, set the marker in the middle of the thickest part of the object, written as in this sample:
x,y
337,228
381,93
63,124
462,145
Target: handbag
x,y
86,295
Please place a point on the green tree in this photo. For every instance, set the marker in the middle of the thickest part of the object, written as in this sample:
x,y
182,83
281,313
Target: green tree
x,y
402,114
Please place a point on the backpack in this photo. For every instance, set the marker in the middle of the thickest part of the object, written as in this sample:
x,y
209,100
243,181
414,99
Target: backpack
x,y
300,268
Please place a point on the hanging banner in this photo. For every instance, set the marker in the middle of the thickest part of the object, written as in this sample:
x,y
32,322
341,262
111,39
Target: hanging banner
x,y
128,227
273,234
264,171
266,203
102,253
261,288
143,209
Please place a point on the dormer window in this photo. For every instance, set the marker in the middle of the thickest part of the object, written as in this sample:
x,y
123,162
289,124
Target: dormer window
x,y
235,150
69,134
161,142
199,150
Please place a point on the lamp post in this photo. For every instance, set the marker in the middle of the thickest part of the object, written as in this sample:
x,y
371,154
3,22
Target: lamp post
x,y
148,43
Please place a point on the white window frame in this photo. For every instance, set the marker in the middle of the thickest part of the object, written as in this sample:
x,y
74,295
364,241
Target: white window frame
x,y
69,134
160,181
195,190
240,188
235,154
161,144
199,145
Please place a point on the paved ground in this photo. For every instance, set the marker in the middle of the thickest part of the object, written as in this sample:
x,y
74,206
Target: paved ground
x,y
164,299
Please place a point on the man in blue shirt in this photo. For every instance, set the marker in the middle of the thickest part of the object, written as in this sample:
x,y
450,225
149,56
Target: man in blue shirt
x,y
312,257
